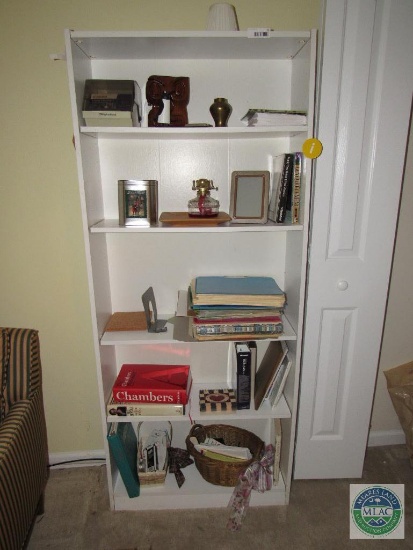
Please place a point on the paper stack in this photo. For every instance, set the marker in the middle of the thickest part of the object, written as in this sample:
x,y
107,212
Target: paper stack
x,y
271,117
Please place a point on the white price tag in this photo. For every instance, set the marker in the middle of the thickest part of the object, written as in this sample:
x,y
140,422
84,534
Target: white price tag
x,y
259,32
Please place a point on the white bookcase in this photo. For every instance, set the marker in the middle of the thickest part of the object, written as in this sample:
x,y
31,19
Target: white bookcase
x,y
273,72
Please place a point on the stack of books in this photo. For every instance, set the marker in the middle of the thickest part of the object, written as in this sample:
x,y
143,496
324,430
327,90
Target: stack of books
x,y
235,307
150,390
271,117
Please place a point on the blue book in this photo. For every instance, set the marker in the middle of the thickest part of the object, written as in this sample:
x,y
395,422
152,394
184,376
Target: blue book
x,y
123,444
245,286
237,290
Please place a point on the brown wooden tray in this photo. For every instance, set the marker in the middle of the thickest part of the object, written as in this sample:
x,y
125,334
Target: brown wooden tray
x,y
183,219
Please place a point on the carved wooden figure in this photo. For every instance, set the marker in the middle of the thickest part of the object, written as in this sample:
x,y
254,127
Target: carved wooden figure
x,y
177,88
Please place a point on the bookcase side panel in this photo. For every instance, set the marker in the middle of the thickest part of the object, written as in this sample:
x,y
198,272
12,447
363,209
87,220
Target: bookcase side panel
x,y
89,181
304,67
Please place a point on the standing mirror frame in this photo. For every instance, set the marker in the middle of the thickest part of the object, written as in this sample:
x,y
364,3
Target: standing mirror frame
x,y
249,196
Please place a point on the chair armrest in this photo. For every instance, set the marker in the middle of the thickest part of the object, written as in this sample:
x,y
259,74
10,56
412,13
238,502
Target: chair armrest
x,y
23,468
24,375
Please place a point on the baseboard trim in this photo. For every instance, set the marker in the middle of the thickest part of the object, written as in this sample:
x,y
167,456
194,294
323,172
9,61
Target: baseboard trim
x,y
380,438
77,459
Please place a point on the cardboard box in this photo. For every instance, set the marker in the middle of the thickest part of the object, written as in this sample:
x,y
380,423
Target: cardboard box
x,y
112,103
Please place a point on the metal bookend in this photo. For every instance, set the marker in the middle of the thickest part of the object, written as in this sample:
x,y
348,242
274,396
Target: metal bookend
x,y
148,300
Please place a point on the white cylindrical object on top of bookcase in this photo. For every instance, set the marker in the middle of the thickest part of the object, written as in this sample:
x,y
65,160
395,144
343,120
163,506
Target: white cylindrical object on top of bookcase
x,y
222,17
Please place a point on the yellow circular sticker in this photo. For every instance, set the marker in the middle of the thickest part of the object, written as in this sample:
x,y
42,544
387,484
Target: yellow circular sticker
x,y
312,148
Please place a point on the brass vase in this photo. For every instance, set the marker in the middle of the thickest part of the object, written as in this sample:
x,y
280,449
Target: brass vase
x,y
220,111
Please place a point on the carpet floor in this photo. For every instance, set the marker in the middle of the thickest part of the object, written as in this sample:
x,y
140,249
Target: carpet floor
x,y
77,515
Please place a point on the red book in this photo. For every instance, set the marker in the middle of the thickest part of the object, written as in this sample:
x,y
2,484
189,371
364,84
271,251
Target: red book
x,y
142,383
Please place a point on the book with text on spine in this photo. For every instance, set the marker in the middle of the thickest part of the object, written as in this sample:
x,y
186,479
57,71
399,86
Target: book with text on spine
x,y
297,195
242,374
284,187
233,325
153,384
131,408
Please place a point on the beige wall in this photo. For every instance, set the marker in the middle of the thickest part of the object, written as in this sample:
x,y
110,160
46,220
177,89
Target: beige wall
x,y
43,275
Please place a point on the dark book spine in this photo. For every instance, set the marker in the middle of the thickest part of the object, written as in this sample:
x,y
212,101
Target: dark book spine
x,y
296,187
243,356
285,184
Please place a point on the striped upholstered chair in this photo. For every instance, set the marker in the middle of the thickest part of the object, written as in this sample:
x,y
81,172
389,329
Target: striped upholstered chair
x,y
23,440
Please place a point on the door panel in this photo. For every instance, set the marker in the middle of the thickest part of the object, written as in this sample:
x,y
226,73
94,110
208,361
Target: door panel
x,y
335,354
364,105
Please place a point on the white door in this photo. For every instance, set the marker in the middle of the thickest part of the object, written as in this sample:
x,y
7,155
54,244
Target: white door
x,y
364,105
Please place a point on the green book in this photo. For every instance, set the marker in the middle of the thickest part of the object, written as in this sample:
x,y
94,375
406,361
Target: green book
x,y
123,444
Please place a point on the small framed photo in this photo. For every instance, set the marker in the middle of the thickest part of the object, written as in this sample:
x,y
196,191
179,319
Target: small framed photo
x,y
138,202
249,197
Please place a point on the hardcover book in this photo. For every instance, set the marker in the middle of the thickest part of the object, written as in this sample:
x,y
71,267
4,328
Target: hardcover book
x,y
123,445
236,291
245,314
260,325
277,386
296,187
278,164
229,337
285,185
282,192
154,384
253,349
114,408
242,375
267,370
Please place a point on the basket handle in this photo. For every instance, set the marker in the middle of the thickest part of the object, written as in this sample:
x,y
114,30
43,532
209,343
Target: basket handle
x,y
198,431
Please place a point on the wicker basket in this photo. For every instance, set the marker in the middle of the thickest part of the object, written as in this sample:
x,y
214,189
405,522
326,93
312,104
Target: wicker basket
x,y
157,477
218,472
